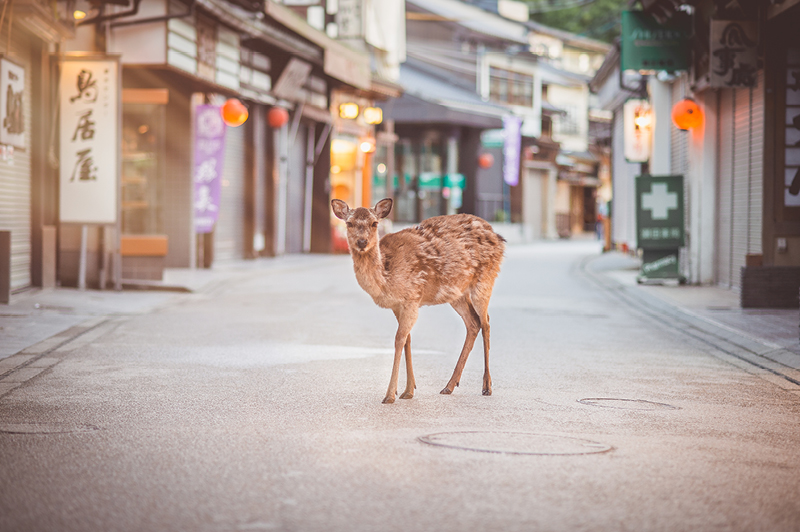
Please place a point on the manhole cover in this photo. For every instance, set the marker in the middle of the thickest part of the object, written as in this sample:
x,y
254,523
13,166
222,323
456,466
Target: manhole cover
x,y
45,428
515,443
627,404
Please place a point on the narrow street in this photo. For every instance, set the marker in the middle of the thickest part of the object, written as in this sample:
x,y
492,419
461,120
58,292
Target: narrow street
x,y
255,404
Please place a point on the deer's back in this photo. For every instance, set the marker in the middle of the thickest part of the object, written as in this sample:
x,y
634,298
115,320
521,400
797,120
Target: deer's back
x,y
438,260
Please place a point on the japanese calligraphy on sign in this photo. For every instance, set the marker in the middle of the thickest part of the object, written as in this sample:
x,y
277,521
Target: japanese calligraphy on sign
x,y
12,111
89,140
791,195
209,154
734,53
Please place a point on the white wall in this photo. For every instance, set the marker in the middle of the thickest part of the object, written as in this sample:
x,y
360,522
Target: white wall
x,y
576,100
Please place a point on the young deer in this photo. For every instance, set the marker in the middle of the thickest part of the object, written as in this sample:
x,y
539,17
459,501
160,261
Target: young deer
x,y
446,259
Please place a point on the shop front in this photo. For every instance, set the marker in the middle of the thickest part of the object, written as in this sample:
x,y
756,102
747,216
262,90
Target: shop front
x,y
28,202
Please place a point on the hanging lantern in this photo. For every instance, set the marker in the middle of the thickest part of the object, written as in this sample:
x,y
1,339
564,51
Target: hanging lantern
x,y
277,117
234,113
686,114
486,160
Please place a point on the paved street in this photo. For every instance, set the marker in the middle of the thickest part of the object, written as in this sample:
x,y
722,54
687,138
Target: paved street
x,y
255,404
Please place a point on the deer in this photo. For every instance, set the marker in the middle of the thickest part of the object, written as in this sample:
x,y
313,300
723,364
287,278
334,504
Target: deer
x,y
451,259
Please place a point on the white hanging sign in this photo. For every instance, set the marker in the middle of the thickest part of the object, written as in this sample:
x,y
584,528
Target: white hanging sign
x,y
89,91
637,130
12,110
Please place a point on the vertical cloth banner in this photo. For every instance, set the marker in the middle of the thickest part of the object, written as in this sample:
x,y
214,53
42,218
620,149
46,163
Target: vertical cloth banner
x,y
209,154
89,139
512,126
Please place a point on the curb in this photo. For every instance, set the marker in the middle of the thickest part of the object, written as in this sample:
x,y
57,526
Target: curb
x,y
31,361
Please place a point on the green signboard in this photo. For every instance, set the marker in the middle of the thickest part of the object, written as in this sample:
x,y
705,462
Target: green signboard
x,y
660,264
659,212
660,225
647,44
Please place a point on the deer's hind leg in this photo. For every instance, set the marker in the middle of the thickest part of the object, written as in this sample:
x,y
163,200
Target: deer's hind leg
x,y
480,296
472,321
411,384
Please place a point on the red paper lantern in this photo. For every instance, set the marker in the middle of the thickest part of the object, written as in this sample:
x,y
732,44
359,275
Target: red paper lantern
x,y
234,113
486,160
277,117
686,114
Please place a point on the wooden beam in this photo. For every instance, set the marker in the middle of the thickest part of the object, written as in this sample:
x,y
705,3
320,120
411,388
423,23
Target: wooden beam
x,y
151,96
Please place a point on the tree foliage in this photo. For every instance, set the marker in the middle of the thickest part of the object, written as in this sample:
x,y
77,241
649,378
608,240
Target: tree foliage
x,y
598,19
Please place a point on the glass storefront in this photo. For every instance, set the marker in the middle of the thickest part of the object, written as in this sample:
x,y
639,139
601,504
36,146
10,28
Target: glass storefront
x,y
142,176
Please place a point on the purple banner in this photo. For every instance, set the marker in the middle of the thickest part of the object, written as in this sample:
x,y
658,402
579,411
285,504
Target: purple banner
x,y
209,154
512,126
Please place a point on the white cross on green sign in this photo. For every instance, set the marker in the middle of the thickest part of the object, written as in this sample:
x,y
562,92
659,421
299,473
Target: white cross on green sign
x,y
659,212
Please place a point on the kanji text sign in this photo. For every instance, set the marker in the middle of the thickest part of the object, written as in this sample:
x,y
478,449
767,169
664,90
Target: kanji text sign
x,y
89,140
659,212
209,155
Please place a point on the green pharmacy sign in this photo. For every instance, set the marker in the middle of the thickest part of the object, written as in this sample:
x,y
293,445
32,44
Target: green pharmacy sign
x,y
659,212
659,225
648,45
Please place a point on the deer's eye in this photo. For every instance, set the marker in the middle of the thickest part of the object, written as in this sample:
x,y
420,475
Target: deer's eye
x,y
374,224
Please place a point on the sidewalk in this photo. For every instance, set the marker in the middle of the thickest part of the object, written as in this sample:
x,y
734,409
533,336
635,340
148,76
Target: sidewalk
x,y
766,338
36,315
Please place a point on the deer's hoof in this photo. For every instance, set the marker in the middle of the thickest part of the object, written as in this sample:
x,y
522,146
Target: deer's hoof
x,y
407,395
446,391
388,400
487,391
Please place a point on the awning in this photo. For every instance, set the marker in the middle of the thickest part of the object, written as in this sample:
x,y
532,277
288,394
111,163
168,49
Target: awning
x,y
428,99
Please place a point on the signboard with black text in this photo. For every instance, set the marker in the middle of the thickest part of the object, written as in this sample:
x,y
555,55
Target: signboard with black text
x,y
734,53
89,164
12,111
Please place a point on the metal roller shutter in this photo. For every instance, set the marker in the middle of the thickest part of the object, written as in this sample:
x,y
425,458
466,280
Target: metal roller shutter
x,y
756,202
740,182
15,178
741,185
229,232
725,138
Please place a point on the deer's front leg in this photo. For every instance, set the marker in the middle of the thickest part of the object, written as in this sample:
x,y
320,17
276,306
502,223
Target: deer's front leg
x,y
405,321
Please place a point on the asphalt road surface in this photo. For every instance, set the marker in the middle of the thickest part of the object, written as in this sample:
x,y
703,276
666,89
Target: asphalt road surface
x,y
256,405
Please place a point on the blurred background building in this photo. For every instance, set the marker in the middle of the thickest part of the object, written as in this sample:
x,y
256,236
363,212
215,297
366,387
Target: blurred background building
x,y
444,105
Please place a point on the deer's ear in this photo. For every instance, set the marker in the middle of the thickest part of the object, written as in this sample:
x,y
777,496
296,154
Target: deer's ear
x,y
340,209
383,208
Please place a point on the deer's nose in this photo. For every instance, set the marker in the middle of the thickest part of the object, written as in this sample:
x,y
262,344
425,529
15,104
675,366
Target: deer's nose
x,y
362,243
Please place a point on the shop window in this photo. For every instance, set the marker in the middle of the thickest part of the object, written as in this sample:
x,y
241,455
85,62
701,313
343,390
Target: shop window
x,y
343,169
567,124
509,87
142,162
430,179
405,192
